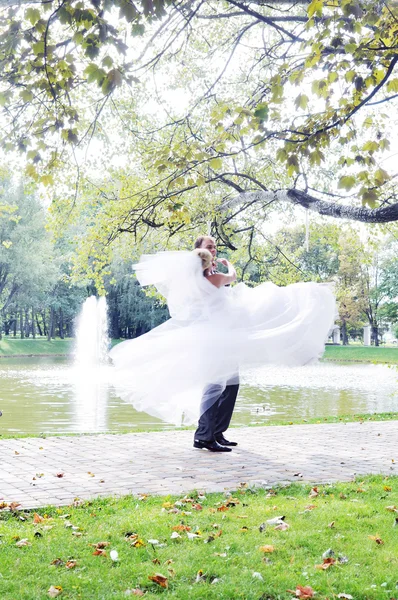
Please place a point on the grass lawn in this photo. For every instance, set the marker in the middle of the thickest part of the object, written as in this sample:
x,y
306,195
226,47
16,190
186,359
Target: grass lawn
x,y
362,354
338,539
10,346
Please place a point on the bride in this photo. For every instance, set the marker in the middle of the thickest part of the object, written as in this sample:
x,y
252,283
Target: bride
x,y
214,330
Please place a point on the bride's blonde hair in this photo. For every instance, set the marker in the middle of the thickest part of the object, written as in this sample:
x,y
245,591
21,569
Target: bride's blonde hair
x,y
205,256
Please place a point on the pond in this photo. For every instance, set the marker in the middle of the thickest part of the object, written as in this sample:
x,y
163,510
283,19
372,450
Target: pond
x,y
48,395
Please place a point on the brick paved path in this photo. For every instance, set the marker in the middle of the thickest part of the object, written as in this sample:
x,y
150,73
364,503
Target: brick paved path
x,y
165,462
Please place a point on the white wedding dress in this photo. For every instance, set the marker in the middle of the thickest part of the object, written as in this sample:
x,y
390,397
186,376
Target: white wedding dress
x,y
213,333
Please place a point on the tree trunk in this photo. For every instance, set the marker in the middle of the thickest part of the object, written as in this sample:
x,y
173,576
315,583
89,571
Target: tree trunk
x,y
43,316
15,325
27,324
50,333
21,324
375,335
61,324
38,325
344,334
33,324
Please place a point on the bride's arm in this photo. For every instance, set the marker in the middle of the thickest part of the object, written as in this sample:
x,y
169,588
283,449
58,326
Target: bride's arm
x,y
219,279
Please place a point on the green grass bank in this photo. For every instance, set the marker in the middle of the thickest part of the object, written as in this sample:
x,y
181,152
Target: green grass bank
x,y
335,541
41,347
34,347
366,354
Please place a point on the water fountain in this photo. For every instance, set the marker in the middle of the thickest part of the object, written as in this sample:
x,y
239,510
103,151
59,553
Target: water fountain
x,y
92,340
90,374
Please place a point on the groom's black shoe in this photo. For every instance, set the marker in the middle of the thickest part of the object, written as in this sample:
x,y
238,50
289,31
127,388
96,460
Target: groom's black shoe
x,y
220,439
211,446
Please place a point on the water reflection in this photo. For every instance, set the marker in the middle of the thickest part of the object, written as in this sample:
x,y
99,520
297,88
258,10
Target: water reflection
x,y
51,396
90,396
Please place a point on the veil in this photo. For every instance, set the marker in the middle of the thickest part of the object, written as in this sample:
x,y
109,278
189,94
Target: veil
x,y
212,334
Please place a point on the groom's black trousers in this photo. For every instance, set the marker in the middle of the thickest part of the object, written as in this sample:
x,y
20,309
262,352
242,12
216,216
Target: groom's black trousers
x,y
216,419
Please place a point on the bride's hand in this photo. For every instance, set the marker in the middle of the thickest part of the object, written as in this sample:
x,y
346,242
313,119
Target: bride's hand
x,y
223,261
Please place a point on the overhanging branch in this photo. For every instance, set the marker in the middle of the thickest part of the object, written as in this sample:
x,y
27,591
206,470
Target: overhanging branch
x,y
322,207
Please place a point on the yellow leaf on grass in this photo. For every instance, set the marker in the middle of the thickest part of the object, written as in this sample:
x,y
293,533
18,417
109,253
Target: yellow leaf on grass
x,y
267,549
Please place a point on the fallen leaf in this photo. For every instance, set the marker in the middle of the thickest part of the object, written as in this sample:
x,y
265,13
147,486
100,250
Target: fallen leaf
x,y
223,508
37,518
313,493
99,552
197,507
327,562
331,525
282,527
303,592
159,579
377,539
100,545
311,507
23,542
392,508
59,475
13,506
267,549
387,488
134,592
138,543
54,591
70,564
58,562
182,528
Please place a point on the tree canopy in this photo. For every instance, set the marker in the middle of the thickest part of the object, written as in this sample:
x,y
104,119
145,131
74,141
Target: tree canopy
x,y
226,110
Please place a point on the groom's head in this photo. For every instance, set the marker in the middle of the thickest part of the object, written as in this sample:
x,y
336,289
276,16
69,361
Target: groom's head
x,y
208,243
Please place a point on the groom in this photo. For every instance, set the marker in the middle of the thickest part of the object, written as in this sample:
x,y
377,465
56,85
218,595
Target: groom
x,y
215,420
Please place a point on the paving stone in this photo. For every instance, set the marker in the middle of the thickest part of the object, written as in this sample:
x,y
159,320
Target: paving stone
x,y
166,463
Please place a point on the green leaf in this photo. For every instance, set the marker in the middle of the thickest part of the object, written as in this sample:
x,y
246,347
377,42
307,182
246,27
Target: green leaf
x,y
4,98
38,48
26,95
292,165
261,112
392,86
370,146
107,62
369,197
33,15
381,176
128,12
347,182
47,180
94,73
215,163
350,48
301,101
315,8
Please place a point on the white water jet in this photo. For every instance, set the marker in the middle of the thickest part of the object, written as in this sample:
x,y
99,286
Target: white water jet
x,y
92,340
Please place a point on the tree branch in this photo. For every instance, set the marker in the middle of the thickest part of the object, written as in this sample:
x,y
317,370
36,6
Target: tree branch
x,y
322,207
